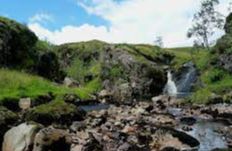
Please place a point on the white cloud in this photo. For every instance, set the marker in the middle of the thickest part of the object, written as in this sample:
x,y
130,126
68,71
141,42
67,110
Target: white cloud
x,y
70,33
41,18
133,21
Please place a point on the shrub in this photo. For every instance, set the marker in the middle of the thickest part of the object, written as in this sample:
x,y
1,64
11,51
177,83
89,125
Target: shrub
x,y
49,67
16,43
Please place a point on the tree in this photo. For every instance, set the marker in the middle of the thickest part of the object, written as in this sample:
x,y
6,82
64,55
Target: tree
x,y
205,23
159,41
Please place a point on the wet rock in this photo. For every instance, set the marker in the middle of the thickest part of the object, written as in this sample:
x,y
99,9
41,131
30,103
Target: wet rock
x,y
188,120
168,137
20,138
52,139
187,128
170,149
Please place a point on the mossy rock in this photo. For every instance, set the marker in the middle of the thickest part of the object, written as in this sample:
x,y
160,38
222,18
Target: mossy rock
x,y
56,112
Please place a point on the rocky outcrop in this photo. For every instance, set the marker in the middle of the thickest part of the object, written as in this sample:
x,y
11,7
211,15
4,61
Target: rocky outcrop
x,y
20,138
127,78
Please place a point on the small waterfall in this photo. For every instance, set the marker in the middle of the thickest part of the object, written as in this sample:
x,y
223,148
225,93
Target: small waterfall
x,y
170,88
187,78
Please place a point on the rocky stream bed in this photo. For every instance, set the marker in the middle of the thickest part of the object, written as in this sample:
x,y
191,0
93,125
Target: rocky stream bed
x,y
163,124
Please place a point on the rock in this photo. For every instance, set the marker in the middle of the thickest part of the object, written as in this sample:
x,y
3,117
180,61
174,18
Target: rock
x,y
188,120
187,128
52,139
77,126
25,103
73,99
77,148
55,112
105,96
92,144
20,138
215,99
69,82
7,119
171,138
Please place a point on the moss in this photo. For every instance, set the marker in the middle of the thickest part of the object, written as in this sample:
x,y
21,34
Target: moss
x,y
55,112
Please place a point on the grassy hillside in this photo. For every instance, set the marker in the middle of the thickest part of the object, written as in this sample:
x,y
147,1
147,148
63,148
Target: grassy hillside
x,y
15,84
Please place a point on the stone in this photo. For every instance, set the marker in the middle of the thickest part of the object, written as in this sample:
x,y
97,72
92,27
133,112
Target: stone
x,y
52,139
20,138
69,82
25,103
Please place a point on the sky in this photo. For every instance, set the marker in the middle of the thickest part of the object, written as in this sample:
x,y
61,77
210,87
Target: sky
x,y
114,21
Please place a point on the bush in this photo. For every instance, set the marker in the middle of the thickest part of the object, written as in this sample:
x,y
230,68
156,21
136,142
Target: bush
x,y
49,67
16,44
224,44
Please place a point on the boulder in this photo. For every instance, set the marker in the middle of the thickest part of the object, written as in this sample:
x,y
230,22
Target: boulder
x,y
20,138
52,139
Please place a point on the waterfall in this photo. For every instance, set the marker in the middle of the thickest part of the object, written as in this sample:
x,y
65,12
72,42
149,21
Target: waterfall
x,y
187,78
170,88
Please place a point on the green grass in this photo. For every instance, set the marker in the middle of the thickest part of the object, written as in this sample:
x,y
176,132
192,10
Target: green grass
x,y
15,84
215,81
185,54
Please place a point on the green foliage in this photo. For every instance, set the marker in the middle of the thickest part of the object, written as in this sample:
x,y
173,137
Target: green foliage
x,y
205,21
44,46
185,54
224,45
91,87
16,44
48,66
201,96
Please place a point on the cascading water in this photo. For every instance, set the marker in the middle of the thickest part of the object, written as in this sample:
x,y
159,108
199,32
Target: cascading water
x,y
170,88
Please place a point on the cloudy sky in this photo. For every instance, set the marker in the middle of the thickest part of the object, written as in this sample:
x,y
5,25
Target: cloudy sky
x,y
117,21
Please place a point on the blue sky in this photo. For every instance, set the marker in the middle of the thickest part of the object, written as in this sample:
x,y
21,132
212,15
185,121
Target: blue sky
x,y
132,21
62,12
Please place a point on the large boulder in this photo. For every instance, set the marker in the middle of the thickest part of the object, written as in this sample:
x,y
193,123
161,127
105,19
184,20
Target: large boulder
x,y
20,138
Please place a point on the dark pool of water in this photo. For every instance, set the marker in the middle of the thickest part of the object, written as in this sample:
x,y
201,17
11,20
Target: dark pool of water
x,y
95,107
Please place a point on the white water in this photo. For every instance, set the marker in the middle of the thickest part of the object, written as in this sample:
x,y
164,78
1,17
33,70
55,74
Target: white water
x,y
170,88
